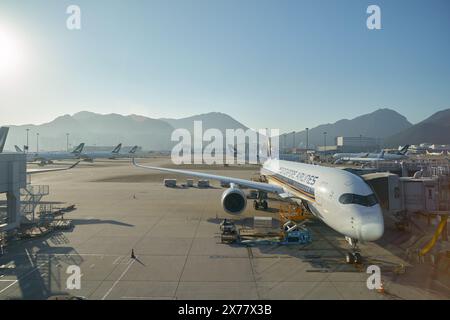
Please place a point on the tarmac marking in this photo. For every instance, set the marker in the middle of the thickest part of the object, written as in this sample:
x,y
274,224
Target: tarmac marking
x,y
117,281
148,298
22,277
7,287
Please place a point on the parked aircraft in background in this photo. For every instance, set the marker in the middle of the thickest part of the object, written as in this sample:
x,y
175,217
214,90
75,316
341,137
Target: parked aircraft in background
x,y
342,200
129,154
435,153
401,154
48,157
3,136
92,155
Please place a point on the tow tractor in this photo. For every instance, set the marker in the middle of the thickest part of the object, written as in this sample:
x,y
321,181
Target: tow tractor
x,y
228,232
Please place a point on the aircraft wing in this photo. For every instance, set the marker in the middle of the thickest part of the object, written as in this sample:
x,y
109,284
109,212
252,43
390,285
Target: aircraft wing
x,y
33,171
241,182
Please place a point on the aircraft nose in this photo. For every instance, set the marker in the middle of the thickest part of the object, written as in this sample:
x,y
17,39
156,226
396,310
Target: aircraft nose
x,y
372,231
372,226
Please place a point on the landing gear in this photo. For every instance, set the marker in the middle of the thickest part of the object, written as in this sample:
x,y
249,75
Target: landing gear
x,y
261,201
354,256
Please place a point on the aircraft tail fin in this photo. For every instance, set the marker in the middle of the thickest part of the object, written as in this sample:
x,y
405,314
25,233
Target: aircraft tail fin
x,y
133,150
18,149
3,135
404,150
117,148
79,148
381,155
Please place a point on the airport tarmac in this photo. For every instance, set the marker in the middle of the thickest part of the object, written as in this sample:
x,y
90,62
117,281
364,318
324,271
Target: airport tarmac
x,y
174,233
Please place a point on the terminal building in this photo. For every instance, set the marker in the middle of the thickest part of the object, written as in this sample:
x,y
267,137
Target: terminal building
x,y
352,145
358,144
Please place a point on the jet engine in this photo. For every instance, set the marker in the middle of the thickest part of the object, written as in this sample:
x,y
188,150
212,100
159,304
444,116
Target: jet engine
x,y
234,200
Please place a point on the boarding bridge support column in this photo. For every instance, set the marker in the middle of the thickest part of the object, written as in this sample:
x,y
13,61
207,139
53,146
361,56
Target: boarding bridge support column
x,y
14,213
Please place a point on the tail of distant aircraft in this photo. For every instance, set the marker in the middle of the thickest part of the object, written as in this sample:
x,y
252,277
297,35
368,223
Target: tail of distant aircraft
x,y
78,149
404,150
133,150
381,155
3,135
17,149
117,148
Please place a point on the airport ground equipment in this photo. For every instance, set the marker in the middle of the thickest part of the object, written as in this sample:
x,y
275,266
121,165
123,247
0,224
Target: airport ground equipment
x,y
228,231
170,183
439,231
224,184
203,183
189,182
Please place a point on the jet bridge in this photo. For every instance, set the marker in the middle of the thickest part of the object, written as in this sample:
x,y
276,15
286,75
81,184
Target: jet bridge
x,y
12,179
426,194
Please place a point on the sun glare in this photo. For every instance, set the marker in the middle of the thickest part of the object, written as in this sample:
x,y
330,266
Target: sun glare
x,y
10,54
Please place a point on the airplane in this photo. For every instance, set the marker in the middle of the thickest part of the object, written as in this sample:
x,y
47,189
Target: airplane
x,y
48,157
341,199
128,154
379,157
435,153
399,155
92,155
3,136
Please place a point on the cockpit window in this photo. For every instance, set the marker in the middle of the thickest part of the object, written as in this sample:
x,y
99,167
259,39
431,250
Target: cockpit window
x,y
351,198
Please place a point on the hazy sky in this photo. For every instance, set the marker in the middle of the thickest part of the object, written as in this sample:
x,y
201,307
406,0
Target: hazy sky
x,y
279,64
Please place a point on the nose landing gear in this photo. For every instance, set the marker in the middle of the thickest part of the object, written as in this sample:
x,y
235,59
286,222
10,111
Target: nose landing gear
x,y
354,256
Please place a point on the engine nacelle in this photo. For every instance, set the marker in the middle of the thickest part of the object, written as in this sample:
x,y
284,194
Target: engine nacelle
x,y
234,200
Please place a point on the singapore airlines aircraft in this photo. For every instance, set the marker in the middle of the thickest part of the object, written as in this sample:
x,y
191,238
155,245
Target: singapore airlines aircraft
x,y
342,200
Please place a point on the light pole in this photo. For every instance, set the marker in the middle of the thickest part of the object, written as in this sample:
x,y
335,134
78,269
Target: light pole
x,y
293,140
325,141
307,139
37,141
67,142
26,149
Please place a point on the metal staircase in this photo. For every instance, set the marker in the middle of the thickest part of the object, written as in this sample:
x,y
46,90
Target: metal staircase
x,y
31,195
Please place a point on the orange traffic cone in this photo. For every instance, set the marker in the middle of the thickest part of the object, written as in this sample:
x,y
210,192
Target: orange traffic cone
x,y
381,288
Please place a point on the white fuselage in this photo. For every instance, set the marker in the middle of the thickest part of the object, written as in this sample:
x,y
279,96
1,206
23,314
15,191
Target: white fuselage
x,y
99,155
361,157
50,156
327,191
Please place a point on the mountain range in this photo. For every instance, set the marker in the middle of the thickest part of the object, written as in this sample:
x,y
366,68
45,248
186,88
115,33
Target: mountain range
x,y
155,134
435,129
